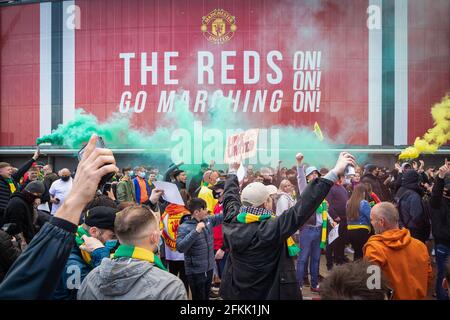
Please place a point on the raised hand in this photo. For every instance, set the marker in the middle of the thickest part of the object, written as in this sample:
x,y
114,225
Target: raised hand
x,y
96,163
343,161
156,195
444,169
299,157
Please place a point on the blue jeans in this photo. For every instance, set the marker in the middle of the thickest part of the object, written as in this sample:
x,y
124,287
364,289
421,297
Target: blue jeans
x,y
442,253
309,248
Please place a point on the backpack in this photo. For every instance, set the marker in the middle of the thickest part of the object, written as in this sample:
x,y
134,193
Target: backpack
x,y
426,210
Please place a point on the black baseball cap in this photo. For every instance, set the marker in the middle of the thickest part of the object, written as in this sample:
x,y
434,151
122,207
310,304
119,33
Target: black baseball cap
x,y
101,217
219,185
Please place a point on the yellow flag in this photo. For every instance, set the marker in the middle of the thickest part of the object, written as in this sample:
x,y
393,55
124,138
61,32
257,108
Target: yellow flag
x,y
317,131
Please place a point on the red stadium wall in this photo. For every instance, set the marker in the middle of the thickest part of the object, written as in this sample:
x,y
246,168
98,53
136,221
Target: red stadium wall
x,y
19,75
336,29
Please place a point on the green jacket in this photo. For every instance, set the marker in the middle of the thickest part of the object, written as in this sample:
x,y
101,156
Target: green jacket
x,y
126,191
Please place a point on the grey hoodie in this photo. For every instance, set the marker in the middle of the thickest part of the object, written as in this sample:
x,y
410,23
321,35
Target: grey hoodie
x,y
130,279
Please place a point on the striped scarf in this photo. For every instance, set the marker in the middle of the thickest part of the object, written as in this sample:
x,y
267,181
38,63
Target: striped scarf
x,y
79,241
11,184
252,215
125,251
322,209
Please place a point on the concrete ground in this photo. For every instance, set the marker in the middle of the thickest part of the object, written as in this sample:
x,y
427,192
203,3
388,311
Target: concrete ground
x,y
308,295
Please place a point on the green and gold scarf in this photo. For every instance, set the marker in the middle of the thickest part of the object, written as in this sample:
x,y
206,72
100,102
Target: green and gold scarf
x,y
323,210
252,215
125,251
79,241
11,184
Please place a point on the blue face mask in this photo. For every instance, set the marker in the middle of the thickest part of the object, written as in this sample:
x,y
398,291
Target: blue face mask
x,y
131,173
142,175
111,244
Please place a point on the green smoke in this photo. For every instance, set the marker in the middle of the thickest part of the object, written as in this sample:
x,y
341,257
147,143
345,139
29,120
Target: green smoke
x,y
117,131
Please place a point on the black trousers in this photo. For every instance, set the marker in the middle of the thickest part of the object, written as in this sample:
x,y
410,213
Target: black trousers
x,y
358,238
200,284
335,251
177,268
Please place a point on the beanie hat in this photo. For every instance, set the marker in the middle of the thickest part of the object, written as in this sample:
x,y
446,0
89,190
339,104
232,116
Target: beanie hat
x,y
35,187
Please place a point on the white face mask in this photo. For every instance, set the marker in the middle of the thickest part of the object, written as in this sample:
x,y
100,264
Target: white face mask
x,y
142,174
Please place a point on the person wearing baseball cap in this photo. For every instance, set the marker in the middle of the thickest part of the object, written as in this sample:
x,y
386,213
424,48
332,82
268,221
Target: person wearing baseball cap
x,y
260,264
94,241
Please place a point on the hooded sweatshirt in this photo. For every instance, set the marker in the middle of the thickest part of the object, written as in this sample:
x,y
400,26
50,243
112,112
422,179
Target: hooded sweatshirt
x,y
404,261
130,279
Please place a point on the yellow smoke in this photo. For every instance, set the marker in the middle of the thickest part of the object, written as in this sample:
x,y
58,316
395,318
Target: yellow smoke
x,y
436,136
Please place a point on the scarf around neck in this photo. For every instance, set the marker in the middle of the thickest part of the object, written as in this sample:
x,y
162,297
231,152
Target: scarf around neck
x,y
126,251
79,241
11,184
252,215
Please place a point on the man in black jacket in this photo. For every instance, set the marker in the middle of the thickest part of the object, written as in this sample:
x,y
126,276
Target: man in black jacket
x,y
369,177
21,212
259,265
440,218
9,252
36,272
9,182
412,213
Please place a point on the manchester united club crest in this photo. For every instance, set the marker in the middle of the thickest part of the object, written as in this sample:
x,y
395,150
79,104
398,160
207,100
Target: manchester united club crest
x,y
218,26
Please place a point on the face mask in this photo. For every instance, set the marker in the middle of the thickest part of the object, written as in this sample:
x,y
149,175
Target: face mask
x,y
130,173
216,195
142,175
65,178
111,244
347,181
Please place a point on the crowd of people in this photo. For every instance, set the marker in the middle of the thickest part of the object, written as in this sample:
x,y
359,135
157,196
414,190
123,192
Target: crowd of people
x,y
66,236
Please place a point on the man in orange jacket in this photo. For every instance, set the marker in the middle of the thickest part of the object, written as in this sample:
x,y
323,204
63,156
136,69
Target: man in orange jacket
x,y
403,259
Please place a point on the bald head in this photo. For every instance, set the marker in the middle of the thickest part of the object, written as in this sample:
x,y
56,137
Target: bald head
x,y
210,177
384,216
64,172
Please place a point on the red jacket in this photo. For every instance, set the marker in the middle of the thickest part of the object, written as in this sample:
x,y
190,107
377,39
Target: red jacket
x,y
217,231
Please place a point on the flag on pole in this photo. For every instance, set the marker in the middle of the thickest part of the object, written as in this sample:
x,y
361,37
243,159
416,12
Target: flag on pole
x,y
317,131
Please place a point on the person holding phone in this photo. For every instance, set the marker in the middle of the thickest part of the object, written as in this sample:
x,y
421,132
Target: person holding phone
x,y
60,189
35,277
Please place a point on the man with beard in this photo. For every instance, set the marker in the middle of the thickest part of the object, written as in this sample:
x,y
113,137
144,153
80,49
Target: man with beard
x,y
60,189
